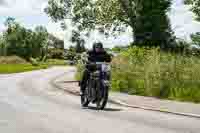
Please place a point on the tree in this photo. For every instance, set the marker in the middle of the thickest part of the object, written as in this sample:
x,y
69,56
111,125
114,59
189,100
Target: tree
x,y
2,46
54,42
10,22
42,35
195,7
196,38
54,53
147,19
24,42
42,40
76,38
70,53
20,41
55,47
13,36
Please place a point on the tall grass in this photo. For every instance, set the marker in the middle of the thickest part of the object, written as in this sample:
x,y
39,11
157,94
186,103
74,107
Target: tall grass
x,y
149,72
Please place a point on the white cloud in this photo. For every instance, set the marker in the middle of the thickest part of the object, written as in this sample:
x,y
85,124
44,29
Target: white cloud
x,y
20,8
55,29
3,3
182,20
2,27
123,39
29,13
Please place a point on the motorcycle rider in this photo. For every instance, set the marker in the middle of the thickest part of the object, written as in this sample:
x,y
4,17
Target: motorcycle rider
x,y
97,54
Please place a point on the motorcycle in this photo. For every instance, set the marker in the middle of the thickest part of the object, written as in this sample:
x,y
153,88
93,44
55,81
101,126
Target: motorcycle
x,y
98,85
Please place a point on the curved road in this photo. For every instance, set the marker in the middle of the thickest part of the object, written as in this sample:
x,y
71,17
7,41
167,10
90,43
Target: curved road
x,y
30,104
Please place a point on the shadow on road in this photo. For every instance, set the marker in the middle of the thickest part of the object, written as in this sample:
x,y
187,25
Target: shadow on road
x,y
106,109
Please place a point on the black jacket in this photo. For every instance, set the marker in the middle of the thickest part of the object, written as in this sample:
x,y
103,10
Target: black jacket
x,y
103,56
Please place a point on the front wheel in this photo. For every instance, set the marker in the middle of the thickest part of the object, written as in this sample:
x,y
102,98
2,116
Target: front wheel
x,y
101,103
84,101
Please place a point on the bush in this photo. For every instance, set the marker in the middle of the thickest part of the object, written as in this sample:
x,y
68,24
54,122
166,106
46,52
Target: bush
x,y
55,53
69,55
12,60
34,62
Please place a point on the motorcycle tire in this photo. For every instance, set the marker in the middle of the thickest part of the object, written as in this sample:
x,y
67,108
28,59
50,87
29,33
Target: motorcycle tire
x,y
101,104
84,101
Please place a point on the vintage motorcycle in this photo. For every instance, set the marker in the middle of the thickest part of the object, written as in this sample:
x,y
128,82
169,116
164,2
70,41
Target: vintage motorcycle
x,y
98,85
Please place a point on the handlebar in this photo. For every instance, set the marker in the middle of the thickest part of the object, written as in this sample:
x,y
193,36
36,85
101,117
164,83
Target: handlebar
x,y
98,63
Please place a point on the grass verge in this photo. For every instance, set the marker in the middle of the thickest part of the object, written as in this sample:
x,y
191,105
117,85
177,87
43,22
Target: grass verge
x,y
9,66
16,68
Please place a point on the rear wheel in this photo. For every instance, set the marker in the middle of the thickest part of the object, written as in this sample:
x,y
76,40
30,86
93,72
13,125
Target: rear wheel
x,y
84,101
84,98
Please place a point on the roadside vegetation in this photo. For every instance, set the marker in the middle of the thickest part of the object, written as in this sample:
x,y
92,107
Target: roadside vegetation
x,y
151,72
23,49
155,73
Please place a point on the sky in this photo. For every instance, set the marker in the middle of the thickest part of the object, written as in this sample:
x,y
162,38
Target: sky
x,y
30,13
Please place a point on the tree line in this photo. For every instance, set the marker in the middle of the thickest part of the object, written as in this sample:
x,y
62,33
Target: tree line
x,y
27,43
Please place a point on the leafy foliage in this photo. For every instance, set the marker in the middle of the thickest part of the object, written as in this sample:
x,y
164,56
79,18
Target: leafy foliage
x,y
54,42
55,54
76,38
2,46
74,52
195,7
147,19
70,53
26,43
196,38
34,62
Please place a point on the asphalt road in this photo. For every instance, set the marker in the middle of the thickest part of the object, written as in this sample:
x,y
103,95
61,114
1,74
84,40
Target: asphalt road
x,y
30,104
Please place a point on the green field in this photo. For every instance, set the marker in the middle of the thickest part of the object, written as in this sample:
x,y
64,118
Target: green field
x,y
15,64
16,68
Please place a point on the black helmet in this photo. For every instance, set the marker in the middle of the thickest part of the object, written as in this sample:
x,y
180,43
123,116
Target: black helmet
x,y
97,45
